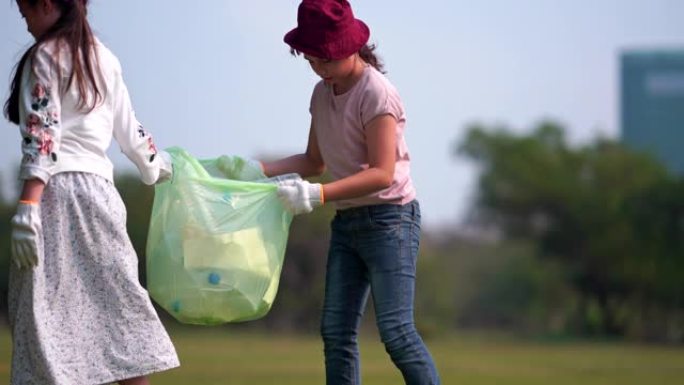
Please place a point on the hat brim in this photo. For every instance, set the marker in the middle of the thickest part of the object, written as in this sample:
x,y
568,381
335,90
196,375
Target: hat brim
x,y
340,47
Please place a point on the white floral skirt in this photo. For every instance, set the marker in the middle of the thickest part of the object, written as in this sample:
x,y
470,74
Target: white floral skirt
x,y
81,316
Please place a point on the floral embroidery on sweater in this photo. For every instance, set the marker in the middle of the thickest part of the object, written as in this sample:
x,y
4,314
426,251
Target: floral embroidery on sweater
x,y
40,125
150,143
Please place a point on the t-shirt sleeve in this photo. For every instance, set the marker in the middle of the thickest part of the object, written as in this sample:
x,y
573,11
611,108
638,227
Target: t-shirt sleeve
x,y
315,96
380,99
39,116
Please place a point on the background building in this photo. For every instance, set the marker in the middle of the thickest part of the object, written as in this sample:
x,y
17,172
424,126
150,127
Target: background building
x,y
652,104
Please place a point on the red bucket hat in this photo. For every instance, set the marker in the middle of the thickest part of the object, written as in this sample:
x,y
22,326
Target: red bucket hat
x,y
327,29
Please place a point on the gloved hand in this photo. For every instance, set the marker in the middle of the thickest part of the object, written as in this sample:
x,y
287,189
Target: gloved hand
x,y
300,196
165,167
26,228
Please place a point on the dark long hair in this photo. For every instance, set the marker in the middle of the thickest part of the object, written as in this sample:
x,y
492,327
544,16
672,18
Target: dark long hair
x,y
367,54
73,29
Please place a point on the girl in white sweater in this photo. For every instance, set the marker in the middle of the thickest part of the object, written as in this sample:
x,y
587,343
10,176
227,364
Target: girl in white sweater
x,y
77,310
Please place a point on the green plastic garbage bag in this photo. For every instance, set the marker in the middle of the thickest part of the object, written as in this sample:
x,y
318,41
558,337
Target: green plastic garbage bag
x,y
216,244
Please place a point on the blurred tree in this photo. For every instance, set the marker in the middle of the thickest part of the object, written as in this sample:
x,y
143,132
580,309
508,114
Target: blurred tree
x,y
657,266
6,212
579,204
300,296
302,281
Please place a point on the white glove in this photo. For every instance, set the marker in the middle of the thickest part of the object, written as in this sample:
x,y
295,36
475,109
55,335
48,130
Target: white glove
x,y
26,228
165,167
300,196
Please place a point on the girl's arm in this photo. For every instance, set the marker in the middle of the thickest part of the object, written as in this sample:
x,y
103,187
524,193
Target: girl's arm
x,y
136,142
32,190
307,164
381,146
300,196
39,121
40,127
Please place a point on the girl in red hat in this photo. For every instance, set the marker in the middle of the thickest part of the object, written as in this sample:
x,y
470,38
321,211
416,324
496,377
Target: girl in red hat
x,y
76,308
356,133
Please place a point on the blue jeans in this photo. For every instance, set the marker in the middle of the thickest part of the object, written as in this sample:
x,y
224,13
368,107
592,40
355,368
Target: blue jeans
x,y
374,249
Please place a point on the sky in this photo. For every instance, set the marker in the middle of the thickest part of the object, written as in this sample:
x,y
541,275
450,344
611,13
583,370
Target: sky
x,y
215,77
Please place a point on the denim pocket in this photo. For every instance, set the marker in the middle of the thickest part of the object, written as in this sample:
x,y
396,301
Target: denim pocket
x,y
387,219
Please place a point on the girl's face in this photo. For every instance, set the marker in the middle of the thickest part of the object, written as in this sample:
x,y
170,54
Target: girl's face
x,y
40,16
341,74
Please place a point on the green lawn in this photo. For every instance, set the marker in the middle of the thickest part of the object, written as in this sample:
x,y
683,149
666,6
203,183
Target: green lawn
x,y
219,357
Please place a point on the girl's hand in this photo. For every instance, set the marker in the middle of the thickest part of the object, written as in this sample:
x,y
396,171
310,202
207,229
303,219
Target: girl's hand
x,y
300,196
26,228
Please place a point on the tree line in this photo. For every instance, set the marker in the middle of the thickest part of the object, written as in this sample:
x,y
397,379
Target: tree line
x,y
563,240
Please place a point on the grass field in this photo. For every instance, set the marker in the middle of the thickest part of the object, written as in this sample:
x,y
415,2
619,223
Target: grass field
x,y
220,357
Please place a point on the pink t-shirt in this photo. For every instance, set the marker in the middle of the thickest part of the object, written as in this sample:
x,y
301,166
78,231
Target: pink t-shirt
x,y
340,122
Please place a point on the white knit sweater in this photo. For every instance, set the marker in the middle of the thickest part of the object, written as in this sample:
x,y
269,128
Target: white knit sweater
x,y
58,136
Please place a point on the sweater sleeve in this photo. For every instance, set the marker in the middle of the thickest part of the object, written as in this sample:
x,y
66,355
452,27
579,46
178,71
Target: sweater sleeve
x,y
135,142
39,116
